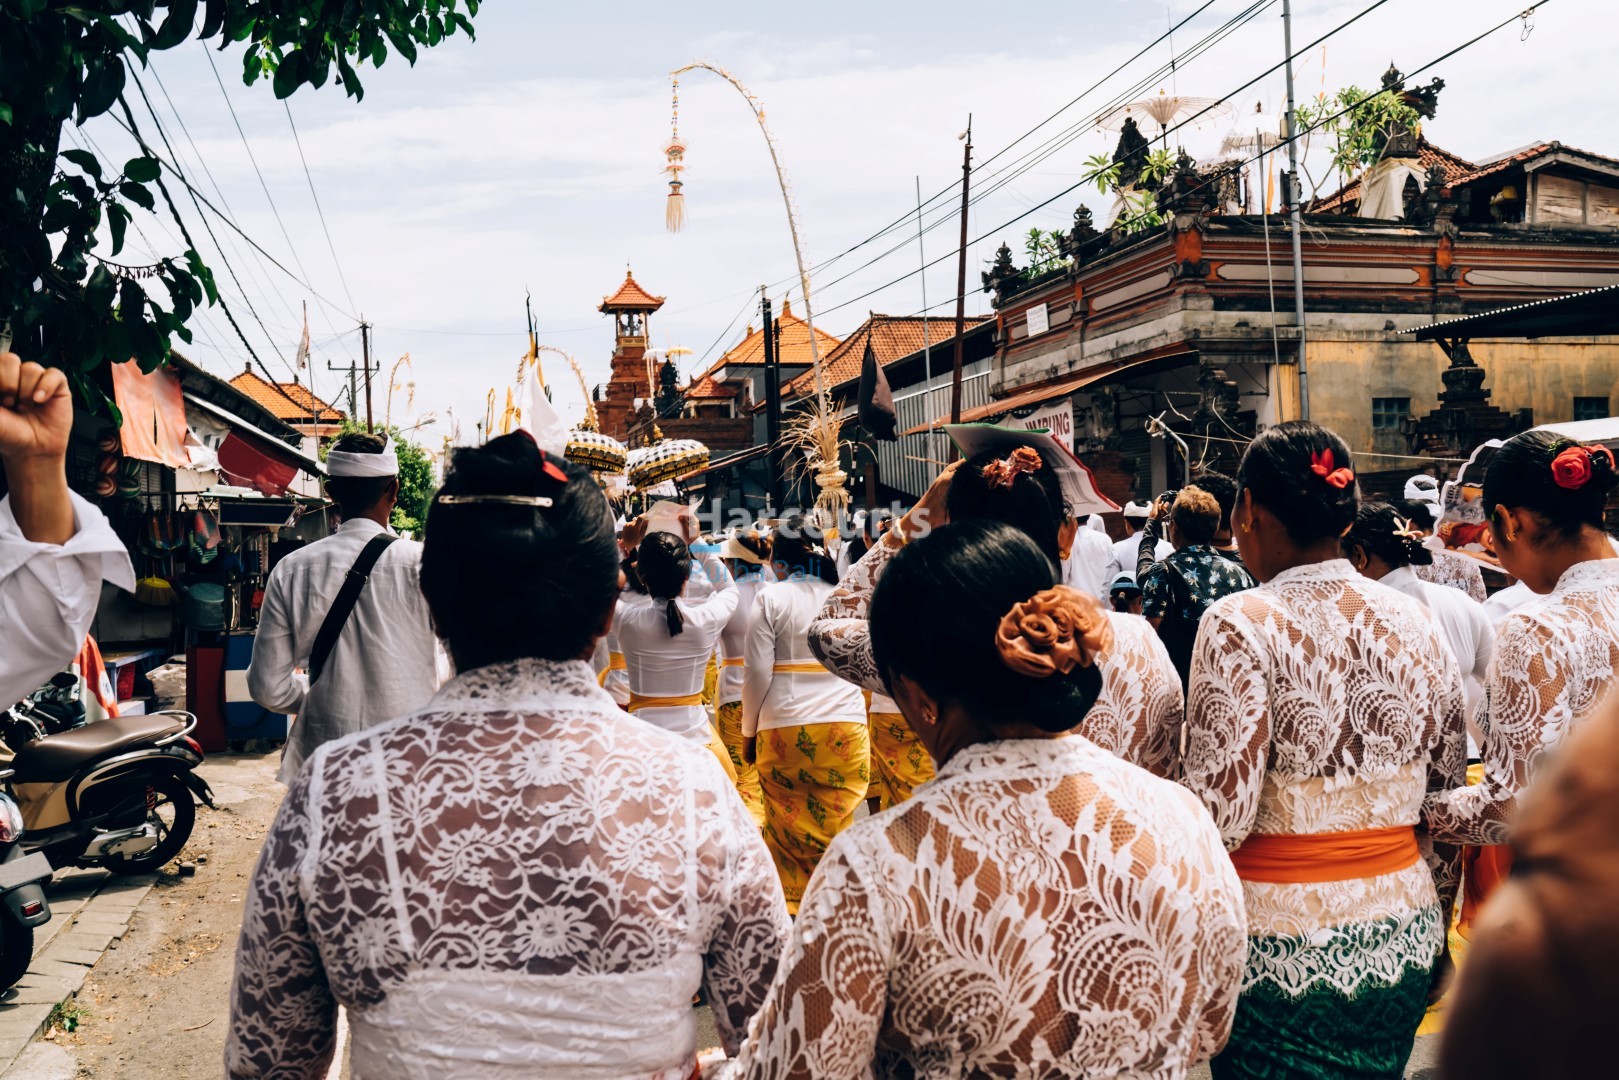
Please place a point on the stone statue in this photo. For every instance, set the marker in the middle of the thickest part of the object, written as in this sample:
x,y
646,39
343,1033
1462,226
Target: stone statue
x,y
1131,153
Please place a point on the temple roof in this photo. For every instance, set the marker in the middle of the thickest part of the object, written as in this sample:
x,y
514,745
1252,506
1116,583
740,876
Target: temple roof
x,y
1459,171
304,406
631,297
794,344
892,337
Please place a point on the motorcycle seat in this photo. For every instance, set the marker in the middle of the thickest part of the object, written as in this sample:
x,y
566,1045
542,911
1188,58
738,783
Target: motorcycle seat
x,y
57,757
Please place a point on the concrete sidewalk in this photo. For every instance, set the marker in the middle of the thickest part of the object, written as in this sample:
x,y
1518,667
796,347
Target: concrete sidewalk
x,y
90,910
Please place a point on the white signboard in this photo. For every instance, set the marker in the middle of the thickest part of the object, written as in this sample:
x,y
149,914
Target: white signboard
x,y
1039,320
1057,418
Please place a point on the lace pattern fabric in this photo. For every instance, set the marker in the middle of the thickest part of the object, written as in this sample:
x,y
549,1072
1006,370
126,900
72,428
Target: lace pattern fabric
x,y
1554,660
1137,716
521,848
1322,702
1455,572
1040,909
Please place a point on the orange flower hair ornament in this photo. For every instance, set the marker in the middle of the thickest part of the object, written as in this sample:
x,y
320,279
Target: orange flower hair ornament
x,y
1322,465
1053,632
1572,468
1003,472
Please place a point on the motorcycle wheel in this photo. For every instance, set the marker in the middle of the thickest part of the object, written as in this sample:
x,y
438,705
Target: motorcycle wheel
x,y
16,951
174,813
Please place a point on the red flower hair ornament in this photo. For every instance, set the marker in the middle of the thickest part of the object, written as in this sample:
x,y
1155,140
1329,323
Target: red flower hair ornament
x,y
1321,463
1572,468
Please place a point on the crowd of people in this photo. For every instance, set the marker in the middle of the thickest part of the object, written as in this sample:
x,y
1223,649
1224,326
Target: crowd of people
x,y
990,798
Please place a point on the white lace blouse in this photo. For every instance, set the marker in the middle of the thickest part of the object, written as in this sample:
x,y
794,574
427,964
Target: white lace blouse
x,y
1322,702
1138,715
519,881
1554,662
1041,908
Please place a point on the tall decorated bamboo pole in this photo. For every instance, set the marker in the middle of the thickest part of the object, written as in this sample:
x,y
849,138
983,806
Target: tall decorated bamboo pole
x,y
818,431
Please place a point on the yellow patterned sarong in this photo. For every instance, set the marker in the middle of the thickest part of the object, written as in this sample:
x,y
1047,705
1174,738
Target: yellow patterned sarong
x,y
747,776
899,761
813,777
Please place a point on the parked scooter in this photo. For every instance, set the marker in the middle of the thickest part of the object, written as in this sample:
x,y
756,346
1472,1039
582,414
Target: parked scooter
x,y
23,906
119,793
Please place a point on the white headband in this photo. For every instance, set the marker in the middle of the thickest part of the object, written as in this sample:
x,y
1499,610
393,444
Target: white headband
x,y
347,463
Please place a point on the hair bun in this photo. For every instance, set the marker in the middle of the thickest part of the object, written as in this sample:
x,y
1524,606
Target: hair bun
x,y
1053,632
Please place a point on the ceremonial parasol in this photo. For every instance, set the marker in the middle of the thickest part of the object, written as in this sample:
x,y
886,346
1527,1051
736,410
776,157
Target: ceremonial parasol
x,y
1254,133
649,466
1164,110
595,451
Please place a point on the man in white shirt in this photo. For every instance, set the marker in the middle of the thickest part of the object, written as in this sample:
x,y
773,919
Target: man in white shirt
x,y
55,548
1126,550
384,662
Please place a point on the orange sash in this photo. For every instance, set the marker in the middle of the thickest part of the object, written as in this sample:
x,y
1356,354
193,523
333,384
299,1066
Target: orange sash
x,y
615,662
734,661
1281,859
801,669
638,701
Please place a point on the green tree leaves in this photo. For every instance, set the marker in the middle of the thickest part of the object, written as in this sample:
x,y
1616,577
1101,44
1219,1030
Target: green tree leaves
x,y
65,297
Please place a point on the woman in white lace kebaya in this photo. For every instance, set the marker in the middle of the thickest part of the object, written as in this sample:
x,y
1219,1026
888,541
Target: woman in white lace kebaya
x,y
520,880
1555,657
1323,707
1138,715
1040,908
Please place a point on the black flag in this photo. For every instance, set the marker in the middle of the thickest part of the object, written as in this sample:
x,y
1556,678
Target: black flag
x,y
876,399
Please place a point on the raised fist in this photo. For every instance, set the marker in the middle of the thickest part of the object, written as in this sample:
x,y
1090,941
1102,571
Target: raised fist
x,y
36,412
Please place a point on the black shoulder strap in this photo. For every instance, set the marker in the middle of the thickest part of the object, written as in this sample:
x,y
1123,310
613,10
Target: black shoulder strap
x,y
343,606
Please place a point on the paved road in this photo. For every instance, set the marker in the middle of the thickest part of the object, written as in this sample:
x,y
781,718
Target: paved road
x,y
154,1005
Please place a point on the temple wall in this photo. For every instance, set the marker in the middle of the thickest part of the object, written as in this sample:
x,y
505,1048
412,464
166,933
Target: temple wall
x,y
1544,375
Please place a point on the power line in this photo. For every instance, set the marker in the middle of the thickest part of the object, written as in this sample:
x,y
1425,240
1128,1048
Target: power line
x,y
319,212
210,229
1092,175
134,129
268,197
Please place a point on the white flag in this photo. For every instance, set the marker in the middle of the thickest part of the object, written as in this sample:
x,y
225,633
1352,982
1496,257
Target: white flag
x,y
303,342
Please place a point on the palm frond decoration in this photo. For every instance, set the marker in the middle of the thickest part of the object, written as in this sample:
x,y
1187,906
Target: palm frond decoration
x,y
817,436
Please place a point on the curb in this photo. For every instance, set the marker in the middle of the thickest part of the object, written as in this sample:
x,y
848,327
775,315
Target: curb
x,y
90,909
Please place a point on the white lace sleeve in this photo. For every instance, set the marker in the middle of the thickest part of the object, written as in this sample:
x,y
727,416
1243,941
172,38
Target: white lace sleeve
x,y
1139,714
1526,702
1447,771
282,1014
840,637
752,928
1227,723
825,1010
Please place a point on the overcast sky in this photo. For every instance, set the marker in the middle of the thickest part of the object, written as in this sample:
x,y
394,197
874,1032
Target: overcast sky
x,y
530,159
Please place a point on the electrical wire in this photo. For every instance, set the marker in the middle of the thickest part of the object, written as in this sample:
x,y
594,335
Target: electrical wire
x,y
1089,177
209,228
318,211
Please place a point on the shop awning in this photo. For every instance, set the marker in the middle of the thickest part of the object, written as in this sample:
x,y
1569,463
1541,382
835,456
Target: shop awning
x,y
1593,312
740,457
1039,395
269,444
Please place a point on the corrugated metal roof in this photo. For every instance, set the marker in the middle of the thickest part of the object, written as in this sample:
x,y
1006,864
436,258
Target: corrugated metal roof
x,y
1605,430
1594,311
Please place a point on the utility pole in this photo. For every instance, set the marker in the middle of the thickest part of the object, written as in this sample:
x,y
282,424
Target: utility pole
x,y
353,371
961,281
365,349
778,497
1295,197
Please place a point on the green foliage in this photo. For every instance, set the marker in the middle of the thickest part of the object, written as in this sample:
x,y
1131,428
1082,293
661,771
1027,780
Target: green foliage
x,y
1044,250
1140,213
67,300
416,481
1361,134
1103,171
1156,167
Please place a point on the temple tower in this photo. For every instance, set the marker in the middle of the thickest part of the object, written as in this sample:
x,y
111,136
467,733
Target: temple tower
x,y
631,308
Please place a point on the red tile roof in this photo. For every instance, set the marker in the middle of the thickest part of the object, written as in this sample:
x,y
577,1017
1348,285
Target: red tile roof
x,y
892,337
794,345
706,388
300,410
1428,155
631,297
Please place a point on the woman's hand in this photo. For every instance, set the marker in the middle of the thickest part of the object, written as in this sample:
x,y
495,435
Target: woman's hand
x,y
930,510
36,414
750,748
